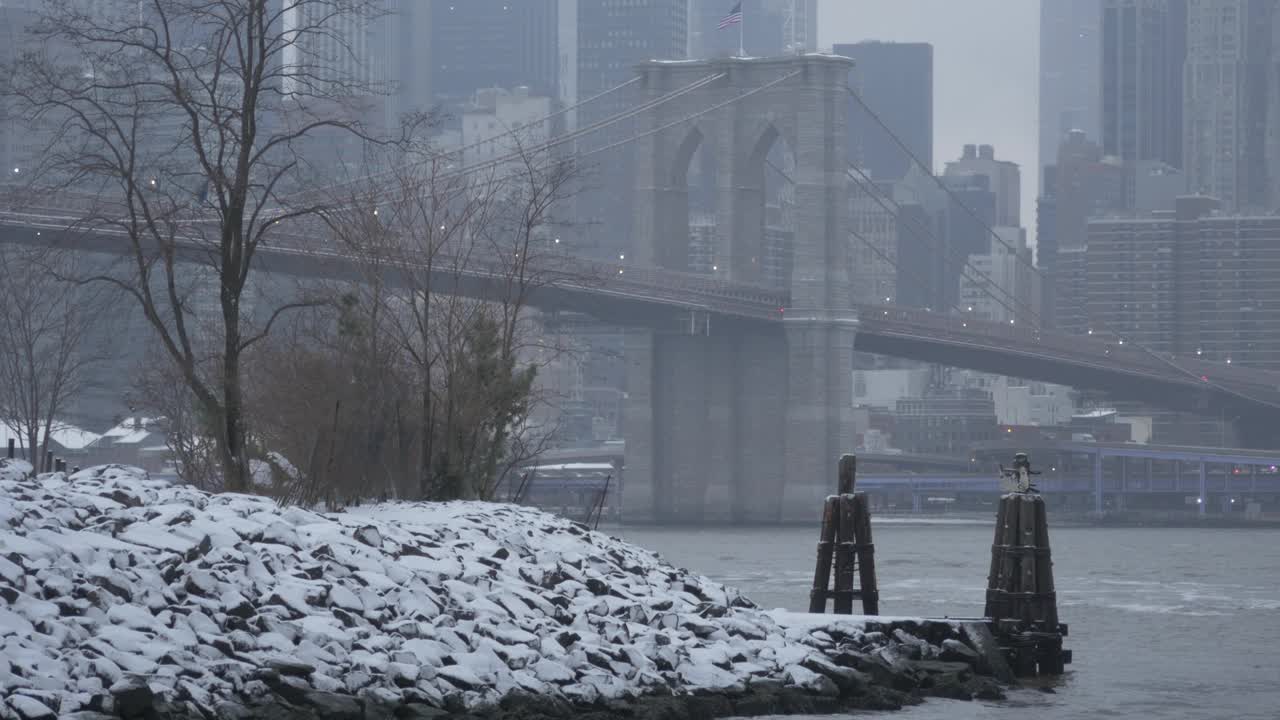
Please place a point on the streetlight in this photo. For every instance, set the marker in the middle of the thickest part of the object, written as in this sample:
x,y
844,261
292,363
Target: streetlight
x,y
622,256
17,170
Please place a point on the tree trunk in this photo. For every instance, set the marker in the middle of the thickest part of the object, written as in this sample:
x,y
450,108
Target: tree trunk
x,y
33,450
235,470
428,446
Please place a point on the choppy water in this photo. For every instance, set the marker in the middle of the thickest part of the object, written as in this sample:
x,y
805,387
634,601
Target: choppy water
x,y
1165,623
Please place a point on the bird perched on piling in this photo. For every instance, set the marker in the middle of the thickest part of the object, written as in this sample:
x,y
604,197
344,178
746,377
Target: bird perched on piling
x,y
1018,477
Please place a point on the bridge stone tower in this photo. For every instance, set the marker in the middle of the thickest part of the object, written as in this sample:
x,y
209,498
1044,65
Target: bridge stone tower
x,y
743,423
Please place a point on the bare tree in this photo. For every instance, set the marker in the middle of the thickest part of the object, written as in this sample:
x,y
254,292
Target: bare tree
x,y
160,391
468,249
46,343
188,121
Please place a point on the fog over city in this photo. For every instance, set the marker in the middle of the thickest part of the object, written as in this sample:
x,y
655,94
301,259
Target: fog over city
x,y
680,359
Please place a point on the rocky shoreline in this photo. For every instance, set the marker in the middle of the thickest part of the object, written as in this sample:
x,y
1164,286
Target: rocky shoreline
x,y
121,596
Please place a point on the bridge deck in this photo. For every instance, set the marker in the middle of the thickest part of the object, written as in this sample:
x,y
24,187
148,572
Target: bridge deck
x,y
574,282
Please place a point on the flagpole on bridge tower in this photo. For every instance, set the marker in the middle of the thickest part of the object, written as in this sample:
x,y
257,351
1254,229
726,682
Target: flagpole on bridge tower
x,y
741,53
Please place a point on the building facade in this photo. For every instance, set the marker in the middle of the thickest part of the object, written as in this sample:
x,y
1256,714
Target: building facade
x,y
1226,102
968,218
1001,284
895,80
494,43
1194,282
499,122
1144,47
1080,185
945,422
613,37
873,227
19,145
1005,180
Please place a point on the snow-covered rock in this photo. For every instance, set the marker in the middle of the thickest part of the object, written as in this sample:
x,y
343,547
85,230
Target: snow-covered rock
x,y
117,589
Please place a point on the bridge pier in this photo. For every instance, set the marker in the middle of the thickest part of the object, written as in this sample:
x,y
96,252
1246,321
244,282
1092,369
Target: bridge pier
x,y
761,381
819,410
736,427
704,427
669,434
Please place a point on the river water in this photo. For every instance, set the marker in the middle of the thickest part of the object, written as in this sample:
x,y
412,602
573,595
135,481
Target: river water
x,y
1164,623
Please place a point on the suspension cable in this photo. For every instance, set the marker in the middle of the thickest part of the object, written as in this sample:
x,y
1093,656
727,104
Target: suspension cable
x,y
869,188
547,145
692,116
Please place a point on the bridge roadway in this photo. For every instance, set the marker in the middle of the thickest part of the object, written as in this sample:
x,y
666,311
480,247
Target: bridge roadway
x,y
630,295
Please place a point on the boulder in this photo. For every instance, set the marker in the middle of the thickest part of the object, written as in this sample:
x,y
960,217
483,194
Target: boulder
x,y
133,697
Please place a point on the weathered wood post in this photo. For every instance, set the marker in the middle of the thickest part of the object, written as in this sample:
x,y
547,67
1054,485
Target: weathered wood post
x,y
826,544
866,556
845,478
845,541
12,448
1021,603
48,461
847,474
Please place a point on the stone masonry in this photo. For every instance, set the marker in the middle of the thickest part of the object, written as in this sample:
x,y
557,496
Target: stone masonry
x,y
729,423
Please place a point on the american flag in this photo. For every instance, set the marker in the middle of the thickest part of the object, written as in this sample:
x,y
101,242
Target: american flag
x,y
734,17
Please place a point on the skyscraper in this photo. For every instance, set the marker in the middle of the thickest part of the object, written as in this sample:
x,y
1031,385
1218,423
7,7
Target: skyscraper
x,y
1080,185
338,53
480,44
613,37
769,27
873,261
1144,47
1229,52
18,144
408,31
970,212
895,80
1070,69
1005,177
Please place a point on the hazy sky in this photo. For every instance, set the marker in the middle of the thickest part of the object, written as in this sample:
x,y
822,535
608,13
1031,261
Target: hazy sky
x,y
985,70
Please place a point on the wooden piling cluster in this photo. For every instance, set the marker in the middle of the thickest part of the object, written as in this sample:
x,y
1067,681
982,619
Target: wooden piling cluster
x,y
1021,602
845,542
51,464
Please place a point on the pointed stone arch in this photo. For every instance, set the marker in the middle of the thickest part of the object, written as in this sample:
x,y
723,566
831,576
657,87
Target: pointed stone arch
x,y
749,419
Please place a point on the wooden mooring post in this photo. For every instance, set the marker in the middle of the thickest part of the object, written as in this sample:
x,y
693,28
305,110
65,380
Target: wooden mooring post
x,y
1021,603
844,544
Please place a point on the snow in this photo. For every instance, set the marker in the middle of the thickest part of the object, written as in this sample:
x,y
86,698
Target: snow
x,y
14,469
131,431
444,602
573,467
64,434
